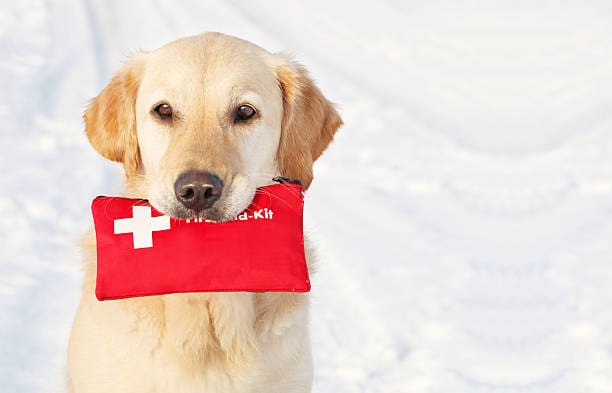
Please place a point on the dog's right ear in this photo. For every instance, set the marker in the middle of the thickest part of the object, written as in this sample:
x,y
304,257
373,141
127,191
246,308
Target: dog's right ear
x,y
110,118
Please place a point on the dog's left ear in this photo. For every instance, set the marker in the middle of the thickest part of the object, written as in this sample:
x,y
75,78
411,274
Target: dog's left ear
x,y
309,121
110,119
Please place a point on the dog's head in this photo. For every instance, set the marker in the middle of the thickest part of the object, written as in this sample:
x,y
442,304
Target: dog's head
x,y
202,122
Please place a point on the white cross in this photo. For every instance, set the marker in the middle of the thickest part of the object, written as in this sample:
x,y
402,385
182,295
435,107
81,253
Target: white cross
x,y
142,226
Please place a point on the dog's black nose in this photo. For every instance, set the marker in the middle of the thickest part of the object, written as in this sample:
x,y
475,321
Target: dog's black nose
x,y
198,190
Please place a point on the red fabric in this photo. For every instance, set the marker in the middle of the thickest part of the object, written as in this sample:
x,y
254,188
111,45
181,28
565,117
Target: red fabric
x,y
261,251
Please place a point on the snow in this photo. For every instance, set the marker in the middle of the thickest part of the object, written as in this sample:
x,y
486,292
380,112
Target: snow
x,y
463,212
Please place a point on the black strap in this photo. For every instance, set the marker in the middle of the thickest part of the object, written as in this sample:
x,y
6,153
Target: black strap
x,y
282,180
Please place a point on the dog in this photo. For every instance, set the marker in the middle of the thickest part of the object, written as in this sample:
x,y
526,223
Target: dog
x,y
198,125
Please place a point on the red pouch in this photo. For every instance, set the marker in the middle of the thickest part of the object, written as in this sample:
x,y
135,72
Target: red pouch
x,y
141,252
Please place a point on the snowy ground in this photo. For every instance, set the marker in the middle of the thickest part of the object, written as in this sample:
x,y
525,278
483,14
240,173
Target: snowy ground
x,y
464,211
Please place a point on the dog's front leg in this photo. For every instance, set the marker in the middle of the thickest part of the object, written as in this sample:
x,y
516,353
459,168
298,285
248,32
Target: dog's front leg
x,y
233,318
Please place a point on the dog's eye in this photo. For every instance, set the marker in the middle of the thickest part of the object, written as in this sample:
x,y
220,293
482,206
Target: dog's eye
x,y
164,111
244,112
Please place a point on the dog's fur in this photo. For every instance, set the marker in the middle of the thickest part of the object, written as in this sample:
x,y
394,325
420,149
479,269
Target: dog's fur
x,y
201,342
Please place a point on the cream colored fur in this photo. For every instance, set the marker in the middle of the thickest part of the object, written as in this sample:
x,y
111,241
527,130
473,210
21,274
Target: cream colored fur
x,y
201,342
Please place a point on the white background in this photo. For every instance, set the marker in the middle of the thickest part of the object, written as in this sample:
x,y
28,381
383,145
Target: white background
x,y
463,212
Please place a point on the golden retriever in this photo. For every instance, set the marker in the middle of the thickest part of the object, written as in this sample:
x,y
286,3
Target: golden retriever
x,y
198,125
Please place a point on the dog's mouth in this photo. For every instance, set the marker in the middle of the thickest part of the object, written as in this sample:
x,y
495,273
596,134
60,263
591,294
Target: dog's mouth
x,y
226,208
211,214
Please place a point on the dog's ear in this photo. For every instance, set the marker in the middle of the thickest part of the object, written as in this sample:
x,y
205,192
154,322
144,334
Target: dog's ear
x,y
309,122
110,119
